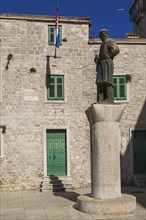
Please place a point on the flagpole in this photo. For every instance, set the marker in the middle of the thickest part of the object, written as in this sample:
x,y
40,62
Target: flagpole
x,y
56,32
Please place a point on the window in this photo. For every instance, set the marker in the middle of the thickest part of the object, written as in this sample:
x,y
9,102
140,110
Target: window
x,y
51,29
55,87
120,91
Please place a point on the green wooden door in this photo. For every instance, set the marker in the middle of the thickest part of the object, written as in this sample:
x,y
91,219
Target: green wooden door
x,y
56,152
139,148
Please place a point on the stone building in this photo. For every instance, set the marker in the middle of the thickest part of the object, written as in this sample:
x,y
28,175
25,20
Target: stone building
x,y
45,134
138,17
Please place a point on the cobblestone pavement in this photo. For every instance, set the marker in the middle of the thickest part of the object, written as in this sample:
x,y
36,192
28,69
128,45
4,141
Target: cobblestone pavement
x,y
27,205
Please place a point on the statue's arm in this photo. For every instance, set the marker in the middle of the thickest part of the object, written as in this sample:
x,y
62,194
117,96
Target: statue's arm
x,y
113,49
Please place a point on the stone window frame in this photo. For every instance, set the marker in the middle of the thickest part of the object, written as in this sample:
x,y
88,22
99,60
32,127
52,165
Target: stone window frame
x,y
127,100
65,89
68,147
56,84
50,42
117,85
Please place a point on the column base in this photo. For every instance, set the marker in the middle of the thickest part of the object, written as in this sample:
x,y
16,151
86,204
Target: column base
x,y
123,205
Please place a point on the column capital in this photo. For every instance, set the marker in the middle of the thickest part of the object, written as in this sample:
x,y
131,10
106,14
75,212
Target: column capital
x,y
105,112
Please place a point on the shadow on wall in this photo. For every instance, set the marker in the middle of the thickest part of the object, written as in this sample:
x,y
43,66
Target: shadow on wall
x,y
136,156
136,150
48,70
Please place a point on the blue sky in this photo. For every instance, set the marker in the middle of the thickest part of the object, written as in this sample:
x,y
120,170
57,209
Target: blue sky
x,y
110,14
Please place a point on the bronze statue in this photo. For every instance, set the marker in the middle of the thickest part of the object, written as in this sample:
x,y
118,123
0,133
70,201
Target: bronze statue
x,y
105,67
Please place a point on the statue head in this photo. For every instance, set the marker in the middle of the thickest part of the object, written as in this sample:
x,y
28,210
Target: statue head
x,y
103,34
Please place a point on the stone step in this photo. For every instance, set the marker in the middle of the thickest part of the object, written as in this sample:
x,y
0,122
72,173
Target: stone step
x,y
55,183
59,178
58,189
58,185
65,185
52,182
51,186
69,184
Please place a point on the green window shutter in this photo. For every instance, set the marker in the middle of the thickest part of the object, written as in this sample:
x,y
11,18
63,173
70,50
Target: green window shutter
x,y
115,88
51,29
60,30
50,35
120,90
56,87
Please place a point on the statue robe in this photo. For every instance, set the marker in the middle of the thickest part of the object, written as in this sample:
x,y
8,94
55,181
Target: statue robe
x,y
105,65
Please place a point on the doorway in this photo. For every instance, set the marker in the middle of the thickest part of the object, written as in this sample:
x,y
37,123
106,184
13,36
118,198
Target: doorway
x,y
56,152
139,151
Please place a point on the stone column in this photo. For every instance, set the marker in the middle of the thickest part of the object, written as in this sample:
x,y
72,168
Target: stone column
x,y
105,150
105,163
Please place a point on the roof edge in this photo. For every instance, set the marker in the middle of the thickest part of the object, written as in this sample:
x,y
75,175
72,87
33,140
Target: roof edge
x,y
120,41
45,18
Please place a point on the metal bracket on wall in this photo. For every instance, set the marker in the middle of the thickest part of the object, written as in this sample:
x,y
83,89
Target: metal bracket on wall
x,y
9,57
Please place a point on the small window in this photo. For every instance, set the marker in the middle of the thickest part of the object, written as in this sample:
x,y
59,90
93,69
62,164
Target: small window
x,y
120,90
51,29
55,87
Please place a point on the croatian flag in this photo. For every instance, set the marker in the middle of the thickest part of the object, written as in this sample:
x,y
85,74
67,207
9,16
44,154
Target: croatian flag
x,y
56,31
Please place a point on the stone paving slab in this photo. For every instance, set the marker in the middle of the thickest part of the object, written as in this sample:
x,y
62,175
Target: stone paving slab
x,y
28,205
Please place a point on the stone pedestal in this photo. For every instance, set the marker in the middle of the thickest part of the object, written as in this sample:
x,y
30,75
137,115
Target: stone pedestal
x,y
105,163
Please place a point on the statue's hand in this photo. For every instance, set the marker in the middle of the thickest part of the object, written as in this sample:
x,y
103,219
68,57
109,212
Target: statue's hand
x,y
96,58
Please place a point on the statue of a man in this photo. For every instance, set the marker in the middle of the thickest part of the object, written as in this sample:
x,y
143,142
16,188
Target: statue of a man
x,y
105,67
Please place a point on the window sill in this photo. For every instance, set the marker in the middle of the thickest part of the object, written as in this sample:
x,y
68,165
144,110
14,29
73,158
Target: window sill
x,y
121,101
55,102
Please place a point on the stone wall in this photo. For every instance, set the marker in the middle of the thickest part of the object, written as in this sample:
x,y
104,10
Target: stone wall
x,y
26,112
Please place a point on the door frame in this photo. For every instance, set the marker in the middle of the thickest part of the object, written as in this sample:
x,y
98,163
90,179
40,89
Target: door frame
x,y
132,146
67,147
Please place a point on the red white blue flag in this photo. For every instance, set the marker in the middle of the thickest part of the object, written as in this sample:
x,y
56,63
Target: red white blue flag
x,y
56,31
